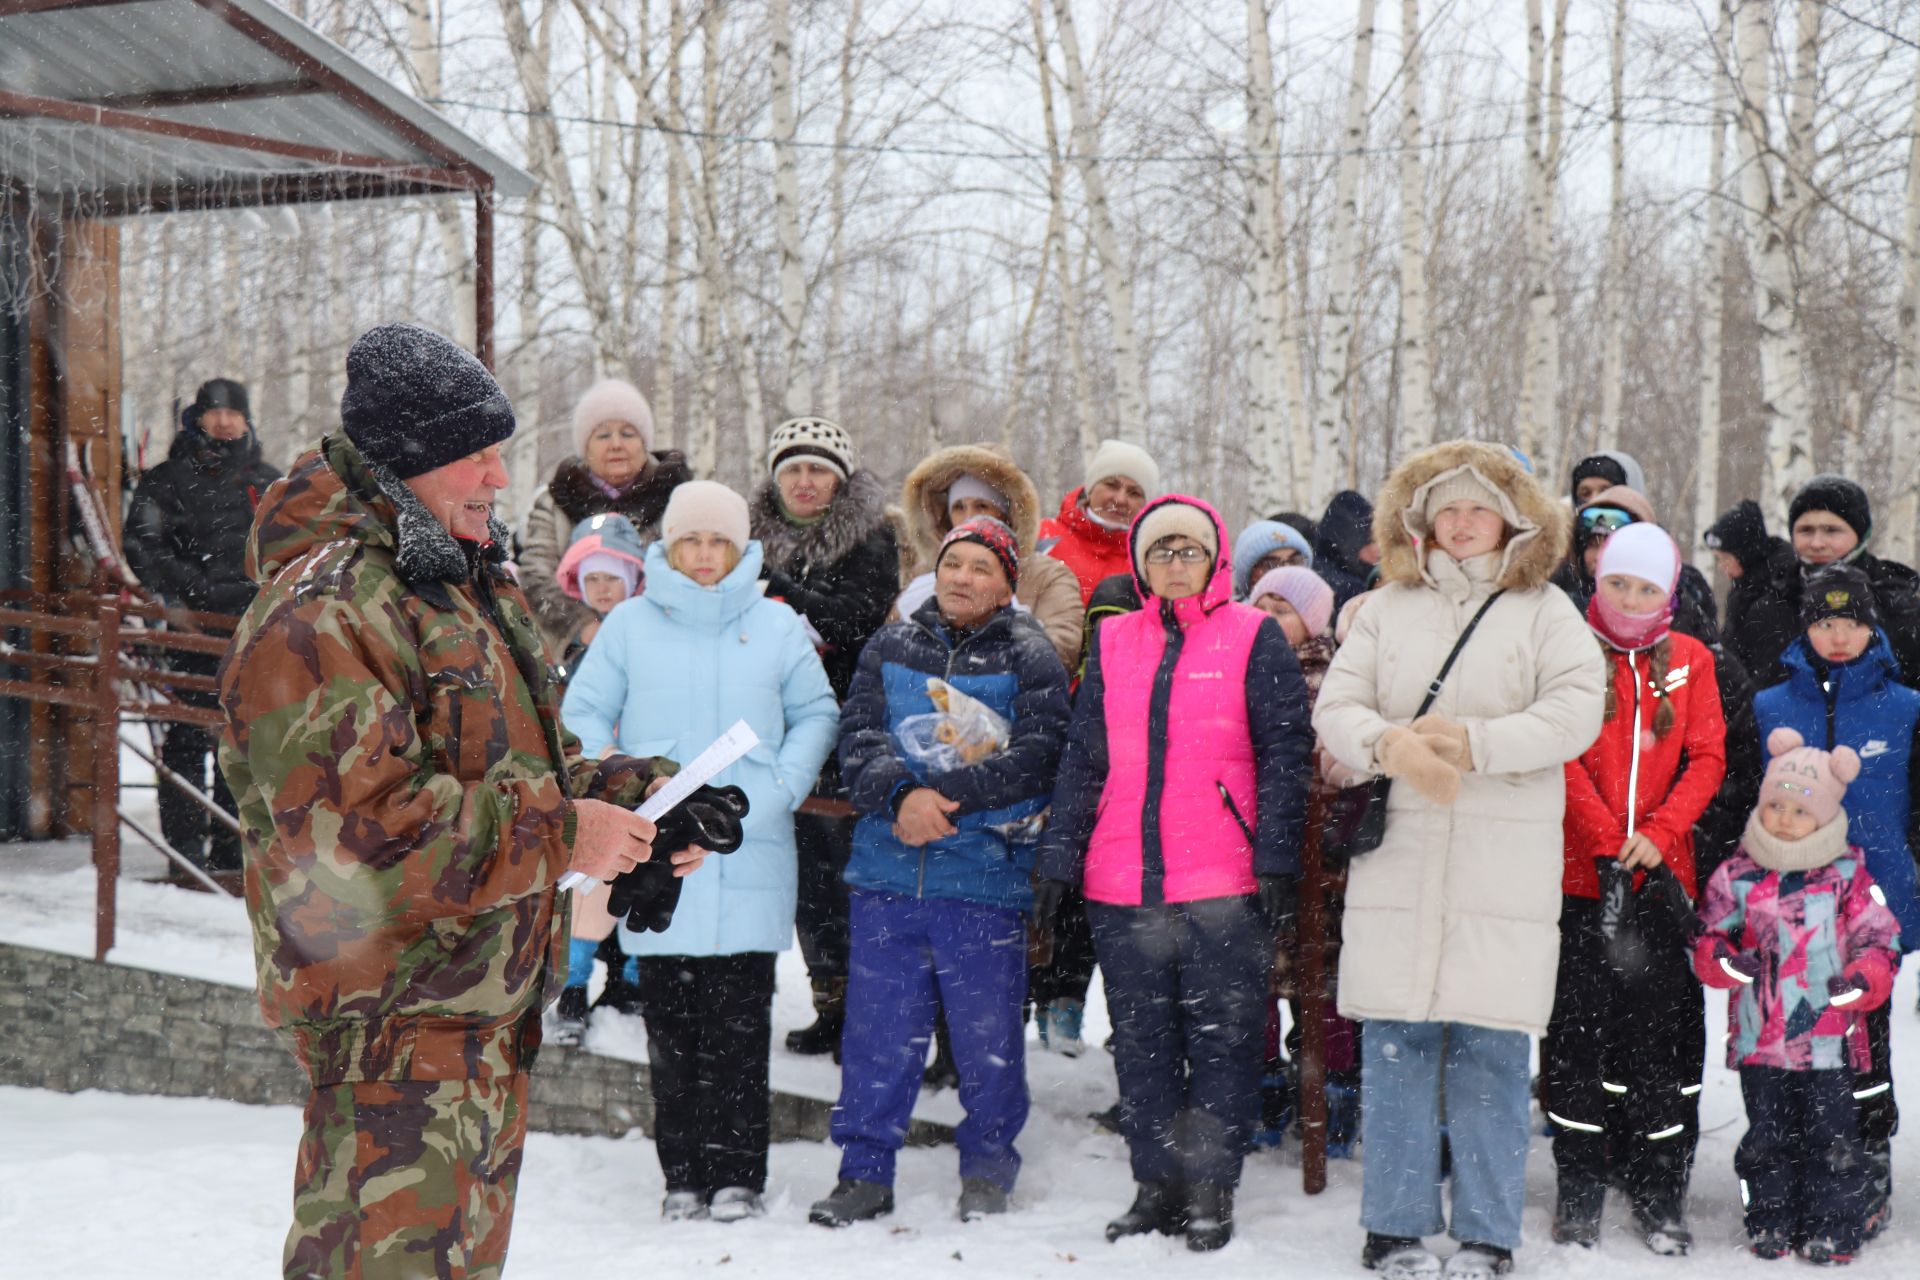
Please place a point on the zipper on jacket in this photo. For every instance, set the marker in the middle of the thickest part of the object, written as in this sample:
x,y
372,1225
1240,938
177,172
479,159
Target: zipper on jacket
x,y
953,653
1833,708
1234,809
1153,862
1633,767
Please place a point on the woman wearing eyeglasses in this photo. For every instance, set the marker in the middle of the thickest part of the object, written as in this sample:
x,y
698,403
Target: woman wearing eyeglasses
x,y
1178,810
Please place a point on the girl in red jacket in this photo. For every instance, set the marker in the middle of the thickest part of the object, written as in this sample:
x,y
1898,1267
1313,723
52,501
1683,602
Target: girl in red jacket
x,y
1626,1045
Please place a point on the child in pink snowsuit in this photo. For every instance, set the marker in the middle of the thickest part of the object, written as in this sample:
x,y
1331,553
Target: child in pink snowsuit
x,y
1797,931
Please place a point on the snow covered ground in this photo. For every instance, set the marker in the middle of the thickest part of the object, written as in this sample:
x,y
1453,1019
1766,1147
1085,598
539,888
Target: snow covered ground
x,y
103,1185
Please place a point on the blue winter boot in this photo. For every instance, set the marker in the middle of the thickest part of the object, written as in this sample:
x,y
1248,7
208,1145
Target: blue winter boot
x,y
1343,1119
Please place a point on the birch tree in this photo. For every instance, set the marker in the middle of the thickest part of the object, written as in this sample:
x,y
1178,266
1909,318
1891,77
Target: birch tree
x,y
1906,409
837,219
1712,307
1613,290
1129,375
1085,428
1271,486
1330,426
1784,404
1540,377
1416,363
797,395
666,355
423,61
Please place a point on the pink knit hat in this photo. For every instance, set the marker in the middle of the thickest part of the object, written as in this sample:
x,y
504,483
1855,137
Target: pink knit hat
x,y
1817,779
1302,588
611,400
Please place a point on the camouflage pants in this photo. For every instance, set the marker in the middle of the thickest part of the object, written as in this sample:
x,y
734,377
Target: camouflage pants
x,y
407,1180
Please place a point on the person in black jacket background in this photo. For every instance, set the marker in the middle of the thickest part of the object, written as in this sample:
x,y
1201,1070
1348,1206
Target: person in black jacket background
x,y
832,554
1343,548
186,538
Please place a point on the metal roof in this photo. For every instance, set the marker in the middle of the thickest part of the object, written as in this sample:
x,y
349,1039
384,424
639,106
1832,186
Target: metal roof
x,y
127,106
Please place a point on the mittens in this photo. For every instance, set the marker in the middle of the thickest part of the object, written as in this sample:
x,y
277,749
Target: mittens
x,y
1447,738
1047,897
1742,966
1408,756
1844,989
1279,902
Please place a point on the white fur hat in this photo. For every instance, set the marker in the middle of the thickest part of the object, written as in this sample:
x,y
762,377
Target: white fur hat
x,y
1118,458
611,400
705,506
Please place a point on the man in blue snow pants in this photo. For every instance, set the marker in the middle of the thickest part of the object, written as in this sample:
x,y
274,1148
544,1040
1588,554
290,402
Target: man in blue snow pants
x,y
939,888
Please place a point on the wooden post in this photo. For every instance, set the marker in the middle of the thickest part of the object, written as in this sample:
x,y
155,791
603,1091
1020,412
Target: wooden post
x,y
106,776
1312,985
483,275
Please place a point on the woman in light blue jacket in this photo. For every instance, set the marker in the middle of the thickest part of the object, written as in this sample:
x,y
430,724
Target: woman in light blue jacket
x,y
672,670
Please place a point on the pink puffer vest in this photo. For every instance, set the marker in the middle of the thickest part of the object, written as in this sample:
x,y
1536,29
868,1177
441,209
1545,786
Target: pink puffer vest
x,y
1205,851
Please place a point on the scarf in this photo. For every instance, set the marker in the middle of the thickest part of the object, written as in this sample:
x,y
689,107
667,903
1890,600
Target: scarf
x,y
1628,632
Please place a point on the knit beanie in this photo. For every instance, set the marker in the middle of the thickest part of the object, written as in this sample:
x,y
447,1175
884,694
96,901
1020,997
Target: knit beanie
x,y
216,393
1741,533
1839,495
1462,482
705,506
1261,539
1166,519
1612,466
968,485
608,563
1838,591
1643,551
815,439
1817,779
1118,458
995,537
416,400
611,400
1302,588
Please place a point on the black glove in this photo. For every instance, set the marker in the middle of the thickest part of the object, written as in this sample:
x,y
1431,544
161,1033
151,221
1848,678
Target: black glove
x,y
1279,901
1047,897
711,818
646,896
1664,890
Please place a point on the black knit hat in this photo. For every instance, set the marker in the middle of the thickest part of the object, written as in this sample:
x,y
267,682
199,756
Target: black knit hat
x,y
1741,533
1601,466
1838,591
416,400
1839,495
216,393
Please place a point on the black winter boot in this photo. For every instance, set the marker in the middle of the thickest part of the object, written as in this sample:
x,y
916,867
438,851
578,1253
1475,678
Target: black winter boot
x,y
1399,1257
570,1017
852,1201
1209,1216
1576,1216
1879,1207
942,1072
1157,1206
829,1020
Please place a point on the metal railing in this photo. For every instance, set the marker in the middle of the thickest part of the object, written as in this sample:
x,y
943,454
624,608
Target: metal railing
x,y
105,656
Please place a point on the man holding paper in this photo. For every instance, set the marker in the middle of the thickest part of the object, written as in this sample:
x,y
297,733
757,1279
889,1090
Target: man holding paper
x,y
948,743
410,799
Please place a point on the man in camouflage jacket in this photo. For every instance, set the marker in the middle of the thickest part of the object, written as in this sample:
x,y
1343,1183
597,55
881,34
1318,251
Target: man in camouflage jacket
x,y
410,799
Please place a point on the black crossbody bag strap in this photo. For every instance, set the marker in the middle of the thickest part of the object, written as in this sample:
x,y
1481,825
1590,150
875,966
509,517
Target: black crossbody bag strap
x,y
1433,690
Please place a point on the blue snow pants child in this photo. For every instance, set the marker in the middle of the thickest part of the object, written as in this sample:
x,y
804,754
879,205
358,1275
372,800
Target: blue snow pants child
x,y
910,958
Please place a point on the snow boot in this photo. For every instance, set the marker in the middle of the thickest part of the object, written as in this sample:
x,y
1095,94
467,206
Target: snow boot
x,y
1879,1206
1480,1260
981,1198
1826,1252
734,1204
1276,1107
1343,1119
1157,1206
1770,1245
1576,1215
1108,1119
683,1206
622,992
829,1020
852,1201
1399,1257
1060,1021
1664,1229
571,1016
1209,1216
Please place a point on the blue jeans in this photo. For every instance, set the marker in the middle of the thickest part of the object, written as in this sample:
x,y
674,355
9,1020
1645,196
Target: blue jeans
x,y
1408,1070
912,957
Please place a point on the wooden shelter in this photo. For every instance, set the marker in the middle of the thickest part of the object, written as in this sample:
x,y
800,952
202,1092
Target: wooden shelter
x,y
111,109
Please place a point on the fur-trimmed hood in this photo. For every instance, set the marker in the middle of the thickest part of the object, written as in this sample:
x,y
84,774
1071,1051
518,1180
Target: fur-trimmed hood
x,y
859,508
1540,524
925,495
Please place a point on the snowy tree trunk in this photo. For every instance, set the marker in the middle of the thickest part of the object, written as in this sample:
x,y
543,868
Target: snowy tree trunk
x,y
1269,487
1343,252
1540,375
797,396
1712,315
1613,291
1416,366
423,60
1905,509
1769,235
1087,432
665,360
837,211
1129,379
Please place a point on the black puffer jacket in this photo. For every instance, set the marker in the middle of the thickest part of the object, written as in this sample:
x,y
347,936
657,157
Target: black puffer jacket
x,y
186,534
1765,617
